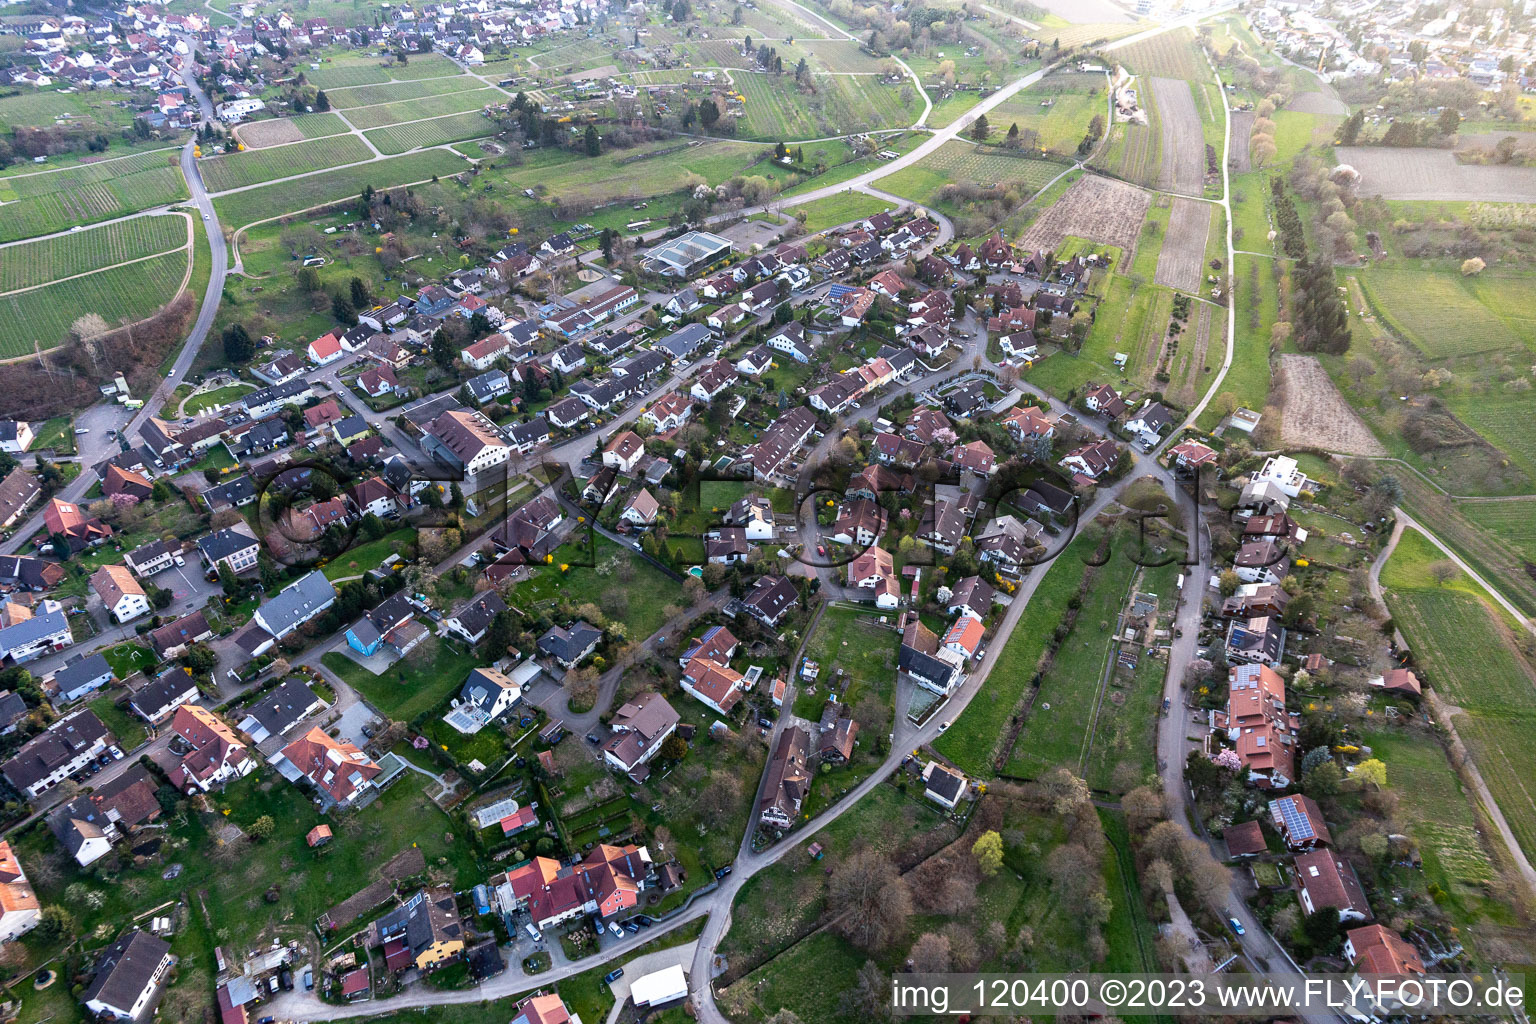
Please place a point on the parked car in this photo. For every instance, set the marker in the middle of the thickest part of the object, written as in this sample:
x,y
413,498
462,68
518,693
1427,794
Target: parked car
x,y
613,926
1237,925
631,927
613,976
721,872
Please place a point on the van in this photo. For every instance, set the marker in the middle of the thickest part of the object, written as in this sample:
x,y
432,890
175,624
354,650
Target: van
x,y
533,933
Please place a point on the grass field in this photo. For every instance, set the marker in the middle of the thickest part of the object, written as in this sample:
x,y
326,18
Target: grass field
x,y
1247,380
962,163
1073,100
334,186
774,108
1057,731
1438,312
1467,651
56,200
839,209
257,165
973,740
648,591
35,263
1439,815
416,134
41,318
382,114
857,643
1168,55
348,72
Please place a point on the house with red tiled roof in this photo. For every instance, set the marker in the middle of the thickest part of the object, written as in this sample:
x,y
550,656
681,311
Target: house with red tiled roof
x,y
211,753
713,684
339,770
325,349
1376,949
1028,423
125,481
1191,454
80,529
608,882
1258,724
875,570
1325,879
964,636
20,910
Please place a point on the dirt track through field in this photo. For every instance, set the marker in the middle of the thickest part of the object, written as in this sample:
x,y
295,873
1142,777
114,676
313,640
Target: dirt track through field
x,y
1101,209
1434,174
1315,414
1318,103
1183,254
1183,167
1242,127
268,133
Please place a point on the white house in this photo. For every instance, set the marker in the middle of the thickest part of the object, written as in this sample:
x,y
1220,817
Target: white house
x,y
1281,471
624,451
325,350
120,592
129,976
20,910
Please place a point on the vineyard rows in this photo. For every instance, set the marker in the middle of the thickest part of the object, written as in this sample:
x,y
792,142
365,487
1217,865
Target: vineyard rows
x,y
367,95
416,134
384,114
36,263
80,196
221,173
121,295
255,204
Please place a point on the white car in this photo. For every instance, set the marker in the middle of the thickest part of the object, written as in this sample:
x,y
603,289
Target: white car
x,y
943,726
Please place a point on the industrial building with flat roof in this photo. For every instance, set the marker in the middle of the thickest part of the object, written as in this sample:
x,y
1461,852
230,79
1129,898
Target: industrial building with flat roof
x,y
687,254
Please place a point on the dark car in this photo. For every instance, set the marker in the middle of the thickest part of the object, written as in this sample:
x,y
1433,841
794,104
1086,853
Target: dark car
x,y
613,976
631,927
643,922
592,737
722,872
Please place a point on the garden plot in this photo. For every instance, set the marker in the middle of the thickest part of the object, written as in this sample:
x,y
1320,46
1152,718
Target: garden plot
x,y
1097,208
1183,166
1434,174
1315,414
1182,258
1242,128
1318,103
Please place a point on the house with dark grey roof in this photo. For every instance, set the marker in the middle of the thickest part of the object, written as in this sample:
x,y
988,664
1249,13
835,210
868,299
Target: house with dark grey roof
x,y
148,559
78,678
296,604
12,710
570,645
473,618
770,599
236,493
130,977
234,547
681,345
277,711
35,637
158,699
50,757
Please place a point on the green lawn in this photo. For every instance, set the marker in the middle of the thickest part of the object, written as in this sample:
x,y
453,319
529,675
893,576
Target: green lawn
x,y
648,591
360,559
839,209
128,727
856,642
231,876
216,398
128,658
1058,736
972,741
412,685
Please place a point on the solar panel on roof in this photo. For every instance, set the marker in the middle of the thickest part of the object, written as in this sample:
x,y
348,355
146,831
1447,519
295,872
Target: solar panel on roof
x,y
1297,825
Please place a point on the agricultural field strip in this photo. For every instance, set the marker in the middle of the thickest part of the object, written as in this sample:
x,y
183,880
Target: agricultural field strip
x,y
149,158
382,115
43,316
300,175
1183,137
252,167
31,264
256,203
1182,256
1434,174
350,97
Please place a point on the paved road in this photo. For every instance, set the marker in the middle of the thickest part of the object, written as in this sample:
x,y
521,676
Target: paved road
x,y
76,490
